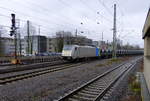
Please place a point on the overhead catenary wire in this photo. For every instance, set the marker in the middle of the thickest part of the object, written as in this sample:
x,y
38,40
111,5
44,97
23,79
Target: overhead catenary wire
x,y
92,10
63,3
45,9
107,9
42,26
41,20
31,17
106,19
20,13
21,20
67,5
45,21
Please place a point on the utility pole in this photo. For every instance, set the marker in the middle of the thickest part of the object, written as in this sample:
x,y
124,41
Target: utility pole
x,y
102,41
76,33
76,36
107,44
28,37
19,36
0,43
102,36
114,33
39,40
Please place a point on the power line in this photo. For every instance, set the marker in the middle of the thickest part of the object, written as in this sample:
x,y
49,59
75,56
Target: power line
x,y
92,10
5,26
5,16
95,11
65,4
19,19
40,20
43,26
44,20
45,9
107,9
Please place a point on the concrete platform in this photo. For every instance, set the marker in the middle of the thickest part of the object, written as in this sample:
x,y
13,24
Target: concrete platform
x,y
144,89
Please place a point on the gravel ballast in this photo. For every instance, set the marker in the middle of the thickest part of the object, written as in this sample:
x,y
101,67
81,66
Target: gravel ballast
x,y
51,86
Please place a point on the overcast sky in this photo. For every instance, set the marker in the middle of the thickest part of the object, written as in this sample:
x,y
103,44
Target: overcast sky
x,y
56,15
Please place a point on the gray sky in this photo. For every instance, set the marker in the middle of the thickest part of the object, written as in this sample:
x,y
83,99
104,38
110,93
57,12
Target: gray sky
x,y
54,15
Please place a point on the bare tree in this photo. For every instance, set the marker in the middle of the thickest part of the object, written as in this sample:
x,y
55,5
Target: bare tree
x,y
62,38
131,47
32,31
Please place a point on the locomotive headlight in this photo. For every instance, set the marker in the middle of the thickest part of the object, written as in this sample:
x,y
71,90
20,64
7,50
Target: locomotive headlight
x,y
66,53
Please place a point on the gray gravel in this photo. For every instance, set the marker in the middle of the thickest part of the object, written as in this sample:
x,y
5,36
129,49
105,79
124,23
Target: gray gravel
x,y
54,65
121,89
51,86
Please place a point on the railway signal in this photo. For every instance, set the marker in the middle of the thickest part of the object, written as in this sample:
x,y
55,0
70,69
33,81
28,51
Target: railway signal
x,y
13,33
13,27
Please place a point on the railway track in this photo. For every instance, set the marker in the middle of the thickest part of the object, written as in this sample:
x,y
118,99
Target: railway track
x,y
14,78
10,64
35,71
29,60
18,68
99,87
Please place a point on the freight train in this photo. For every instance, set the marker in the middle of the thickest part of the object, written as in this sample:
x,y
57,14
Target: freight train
x,y
75,52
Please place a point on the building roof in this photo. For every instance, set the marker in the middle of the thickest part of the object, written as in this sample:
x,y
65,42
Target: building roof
x,y
146,28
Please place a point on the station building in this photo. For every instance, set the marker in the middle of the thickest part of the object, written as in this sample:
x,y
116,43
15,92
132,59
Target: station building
x,y
146,37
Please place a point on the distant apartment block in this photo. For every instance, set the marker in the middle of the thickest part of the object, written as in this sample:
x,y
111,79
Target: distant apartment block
x,y
7,46
51,44
35,44
39,44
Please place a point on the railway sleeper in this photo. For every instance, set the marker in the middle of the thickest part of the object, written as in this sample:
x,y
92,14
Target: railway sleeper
x,y
72,99
94,93
99,83
92,90
82,98
95,87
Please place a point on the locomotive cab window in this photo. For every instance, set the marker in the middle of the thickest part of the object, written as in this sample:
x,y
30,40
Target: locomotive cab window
x,y
75,48
67,47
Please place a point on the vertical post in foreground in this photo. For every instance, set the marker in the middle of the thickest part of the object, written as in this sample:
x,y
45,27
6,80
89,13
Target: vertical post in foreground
x,y
114,33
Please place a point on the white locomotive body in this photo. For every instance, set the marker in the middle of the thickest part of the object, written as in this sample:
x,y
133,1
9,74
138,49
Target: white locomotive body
x,y
75,52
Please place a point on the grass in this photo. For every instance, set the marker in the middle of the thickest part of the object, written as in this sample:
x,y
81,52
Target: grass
x,y
109,62
130,98
113,60
135,88
134,85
